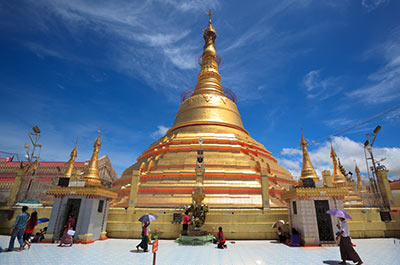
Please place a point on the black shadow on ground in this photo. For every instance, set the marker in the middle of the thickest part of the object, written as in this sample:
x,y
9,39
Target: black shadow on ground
x,y
331,262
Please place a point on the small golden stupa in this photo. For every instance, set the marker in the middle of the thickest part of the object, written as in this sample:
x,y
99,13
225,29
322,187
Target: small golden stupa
x,y
307,170
89,182
233,161
91,173
340,180
70,163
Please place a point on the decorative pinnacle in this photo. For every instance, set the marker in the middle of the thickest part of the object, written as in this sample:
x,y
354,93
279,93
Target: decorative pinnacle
x,y
209,13
209,80
302,141
307,170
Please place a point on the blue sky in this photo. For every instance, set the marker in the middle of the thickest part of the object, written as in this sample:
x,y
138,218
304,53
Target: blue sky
x,y
73,66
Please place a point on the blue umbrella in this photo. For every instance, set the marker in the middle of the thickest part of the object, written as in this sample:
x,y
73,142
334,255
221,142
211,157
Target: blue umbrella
x,y
43,220
148,218
338,213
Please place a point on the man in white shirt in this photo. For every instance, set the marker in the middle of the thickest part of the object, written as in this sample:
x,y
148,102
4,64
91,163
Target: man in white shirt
x,y
347,251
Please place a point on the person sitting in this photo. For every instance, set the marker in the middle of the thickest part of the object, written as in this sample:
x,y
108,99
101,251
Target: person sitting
x,y
221,239
39,235
294,240
282,235
36,238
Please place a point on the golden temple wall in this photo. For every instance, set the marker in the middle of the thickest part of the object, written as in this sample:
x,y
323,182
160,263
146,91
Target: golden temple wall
x,y
5,225
237,223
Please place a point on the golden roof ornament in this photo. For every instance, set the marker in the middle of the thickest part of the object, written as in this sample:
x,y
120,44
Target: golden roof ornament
x,y
308,170
70,164
91,173
209,79
198,195
359,181
208,104
337,175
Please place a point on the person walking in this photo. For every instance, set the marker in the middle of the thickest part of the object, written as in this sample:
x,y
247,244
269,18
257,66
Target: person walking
x,y
145,239
30,226
347,251
66,238
71,221
221,239
18,228
185,223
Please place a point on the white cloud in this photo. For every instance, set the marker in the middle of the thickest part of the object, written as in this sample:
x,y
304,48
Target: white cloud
x,y
385,82
291,151
161,131
194,5
319,88
338,123
347,150
372,4
140,38
294,166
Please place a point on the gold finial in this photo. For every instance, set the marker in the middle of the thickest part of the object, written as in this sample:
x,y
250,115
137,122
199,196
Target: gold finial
x,y
91,173
70,164
209,13
308,170
302,141
209,79
337,175
357,170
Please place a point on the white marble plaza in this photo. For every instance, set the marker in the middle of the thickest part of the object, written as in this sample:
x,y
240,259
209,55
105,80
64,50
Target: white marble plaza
x,y
123,251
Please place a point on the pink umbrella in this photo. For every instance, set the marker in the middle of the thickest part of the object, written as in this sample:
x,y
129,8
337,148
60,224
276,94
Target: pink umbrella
x,y
338,213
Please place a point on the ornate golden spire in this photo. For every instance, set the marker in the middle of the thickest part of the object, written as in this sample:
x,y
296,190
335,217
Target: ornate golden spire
x,y
357,170
209,80
337,175
70,164
91,173
308,170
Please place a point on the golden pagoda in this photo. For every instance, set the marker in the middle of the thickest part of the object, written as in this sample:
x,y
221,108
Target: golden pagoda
x,y
164,175
91,173
308,170
70,163
337,175
339,180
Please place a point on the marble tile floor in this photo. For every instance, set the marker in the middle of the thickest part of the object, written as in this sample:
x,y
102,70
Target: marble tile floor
x,y
122,251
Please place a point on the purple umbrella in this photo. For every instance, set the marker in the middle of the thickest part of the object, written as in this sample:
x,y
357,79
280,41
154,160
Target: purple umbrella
x,y
148,218
338,213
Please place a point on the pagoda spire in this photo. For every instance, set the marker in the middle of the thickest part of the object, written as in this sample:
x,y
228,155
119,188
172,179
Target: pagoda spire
x,y
91,173
308,170
357,170
70,164
209,79
337,175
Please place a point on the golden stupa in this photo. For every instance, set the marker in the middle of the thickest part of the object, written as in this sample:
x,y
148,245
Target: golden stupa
x,y
91,173
307,170
233,161
340,180
69,165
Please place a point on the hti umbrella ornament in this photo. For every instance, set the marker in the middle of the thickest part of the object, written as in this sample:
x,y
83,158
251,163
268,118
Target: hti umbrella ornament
x,y
148,218
338,213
